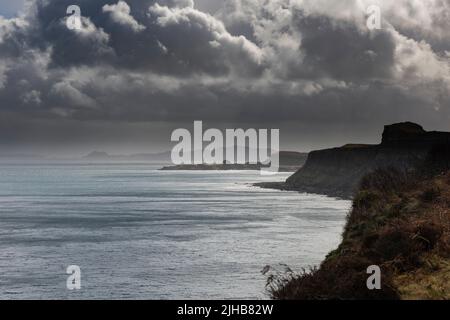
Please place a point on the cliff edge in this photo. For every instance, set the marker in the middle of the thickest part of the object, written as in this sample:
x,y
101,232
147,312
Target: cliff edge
x,y
338,171
399,222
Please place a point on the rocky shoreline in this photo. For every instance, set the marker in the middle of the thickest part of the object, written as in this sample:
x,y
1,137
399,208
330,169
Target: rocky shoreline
x,y
283,186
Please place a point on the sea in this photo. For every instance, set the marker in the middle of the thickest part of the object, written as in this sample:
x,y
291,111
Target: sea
x,y
136,232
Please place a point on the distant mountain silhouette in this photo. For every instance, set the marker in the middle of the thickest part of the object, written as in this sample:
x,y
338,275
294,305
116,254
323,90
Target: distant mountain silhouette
x,y
150,157
97,155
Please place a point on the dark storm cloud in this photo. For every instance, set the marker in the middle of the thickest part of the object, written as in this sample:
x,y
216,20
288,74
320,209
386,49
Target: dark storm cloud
x,y
253,61
168,37
341,50
427,21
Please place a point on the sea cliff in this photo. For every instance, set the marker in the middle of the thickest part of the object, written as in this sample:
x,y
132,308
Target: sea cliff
x,y
338,171
399,221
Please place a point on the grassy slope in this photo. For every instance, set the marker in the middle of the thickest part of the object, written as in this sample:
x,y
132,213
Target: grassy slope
x,y
400,222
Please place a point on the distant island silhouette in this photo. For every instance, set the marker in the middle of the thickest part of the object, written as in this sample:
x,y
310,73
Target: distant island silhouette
x,y
290,161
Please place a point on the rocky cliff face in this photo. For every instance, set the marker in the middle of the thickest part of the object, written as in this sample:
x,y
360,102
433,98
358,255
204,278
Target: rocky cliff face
x,y
338,171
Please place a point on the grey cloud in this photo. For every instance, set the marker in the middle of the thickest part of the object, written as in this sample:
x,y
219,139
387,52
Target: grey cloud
x,y
120,13
11,7
186,45
342,51
268,62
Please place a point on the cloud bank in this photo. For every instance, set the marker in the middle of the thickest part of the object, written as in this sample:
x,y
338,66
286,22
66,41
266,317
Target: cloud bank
x,y
310,62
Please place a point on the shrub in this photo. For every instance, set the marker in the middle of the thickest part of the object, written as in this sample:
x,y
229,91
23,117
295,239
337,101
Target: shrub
x,y
405,243
396,244
365,200
428,234
340,278
387,180
430,194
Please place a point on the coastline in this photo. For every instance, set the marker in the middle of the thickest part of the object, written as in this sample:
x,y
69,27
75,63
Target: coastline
x,y
283,186
225,167
399,223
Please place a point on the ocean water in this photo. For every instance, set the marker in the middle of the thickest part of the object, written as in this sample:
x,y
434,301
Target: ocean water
x,y
140,233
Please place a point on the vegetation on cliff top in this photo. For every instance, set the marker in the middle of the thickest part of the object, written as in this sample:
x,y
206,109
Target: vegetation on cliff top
x,y
399,221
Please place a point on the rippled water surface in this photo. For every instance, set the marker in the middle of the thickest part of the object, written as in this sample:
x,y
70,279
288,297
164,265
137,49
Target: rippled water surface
x,y
139,233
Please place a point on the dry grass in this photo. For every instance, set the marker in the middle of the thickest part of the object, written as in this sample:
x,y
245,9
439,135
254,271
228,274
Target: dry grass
x,y
431,282
399,221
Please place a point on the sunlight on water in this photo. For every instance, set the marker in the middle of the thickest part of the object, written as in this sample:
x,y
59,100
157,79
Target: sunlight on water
x,y
139,233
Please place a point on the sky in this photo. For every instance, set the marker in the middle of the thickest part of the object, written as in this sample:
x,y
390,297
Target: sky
x,y
10,8
138,69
